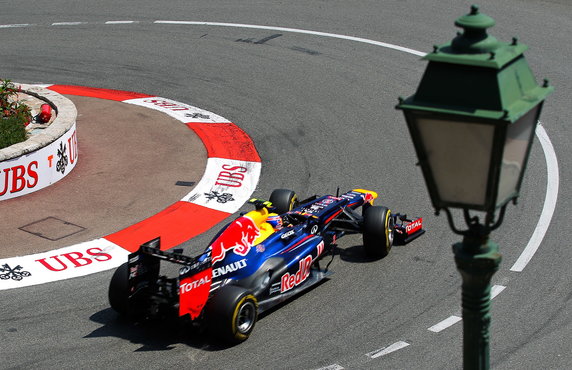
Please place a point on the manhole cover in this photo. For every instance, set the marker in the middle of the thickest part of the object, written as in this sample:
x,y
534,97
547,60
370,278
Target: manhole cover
x,y
52,228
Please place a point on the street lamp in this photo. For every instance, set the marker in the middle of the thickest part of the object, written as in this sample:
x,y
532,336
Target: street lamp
x,y
472,122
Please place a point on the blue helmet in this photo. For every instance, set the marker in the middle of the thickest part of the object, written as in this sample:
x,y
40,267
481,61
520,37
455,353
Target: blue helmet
x,y
275,220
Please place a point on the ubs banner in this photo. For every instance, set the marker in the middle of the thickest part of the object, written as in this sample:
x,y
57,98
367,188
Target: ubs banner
x,y
36,170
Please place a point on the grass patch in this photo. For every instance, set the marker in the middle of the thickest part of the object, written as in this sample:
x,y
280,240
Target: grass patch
x,y
12,131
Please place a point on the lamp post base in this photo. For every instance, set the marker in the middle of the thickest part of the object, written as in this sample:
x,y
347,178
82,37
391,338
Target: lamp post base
x,y
477,260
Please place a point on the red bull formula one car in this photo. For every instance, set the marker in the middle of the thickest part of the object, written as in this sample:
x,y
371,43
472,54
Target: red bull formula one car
x,y
262,258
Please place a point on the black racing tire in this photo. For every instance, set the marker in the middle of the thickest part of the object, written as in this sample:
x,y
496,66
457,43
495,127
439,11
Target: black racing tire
x,y
283,200
119,290
232,313
378,231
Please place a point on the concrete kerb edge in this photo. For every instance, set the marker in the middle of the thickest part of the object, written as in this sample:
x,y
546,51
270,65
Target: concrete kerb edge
x,y
66,117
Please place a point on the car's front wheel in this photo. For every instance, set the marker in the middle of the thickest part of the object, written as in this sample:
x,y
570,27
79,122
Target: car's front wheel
x,y
283,200
378,231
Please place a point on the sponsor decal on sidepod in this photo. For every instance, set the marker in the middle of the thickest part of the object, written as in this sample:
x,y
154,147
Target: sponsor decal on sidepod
x,y
220,271
289,281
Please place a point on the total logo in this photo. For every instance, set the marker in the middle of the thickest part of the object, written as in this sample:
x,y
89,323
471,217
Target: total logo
x,y
187,287
414,226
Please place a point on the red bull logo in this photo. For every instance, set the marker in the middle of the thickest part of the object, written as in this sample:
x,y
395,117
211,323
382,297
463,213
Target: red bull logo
x,y
238,237
368,198
289,281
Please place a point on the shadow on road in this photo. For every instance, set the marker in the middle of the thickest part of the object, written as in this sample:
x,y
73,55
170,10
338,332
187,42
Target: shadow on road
x,y
153,335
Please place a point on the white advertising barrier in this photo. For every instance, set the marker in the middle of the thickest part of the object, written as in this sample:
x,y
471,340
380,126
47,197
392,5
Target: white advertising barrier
x,y
77,260
36,170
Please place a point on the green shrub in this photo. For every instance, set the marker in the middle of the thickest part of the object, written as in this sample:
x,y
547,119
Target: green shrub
x,y
14,116
12,131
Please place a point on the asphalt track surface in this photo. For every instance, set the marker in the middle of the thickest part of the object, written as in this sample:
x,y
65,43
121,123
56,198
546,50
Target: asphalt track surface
x,y
320,111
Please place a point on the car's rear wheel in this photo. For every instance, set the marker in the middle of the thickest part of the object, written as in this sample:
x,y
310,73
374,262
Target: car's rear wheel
x,y
118,290
283,200
378,231
233,312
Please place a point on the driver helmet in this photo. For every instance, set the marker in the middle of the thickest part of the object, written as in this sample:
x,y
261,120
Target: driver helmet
x,y
275,220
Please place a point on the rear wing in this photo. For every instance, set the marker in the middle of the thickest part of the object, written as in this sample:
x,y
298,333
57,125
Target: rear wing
x,y
144,264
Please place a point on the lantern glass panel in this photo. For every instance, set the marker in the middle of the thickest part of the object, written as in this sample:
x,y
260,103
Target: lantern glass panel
x,y
459,156
516,147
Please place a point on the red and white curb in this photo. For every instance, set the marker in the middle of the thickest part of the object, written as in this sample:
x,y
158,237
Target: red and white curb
x,y
231,175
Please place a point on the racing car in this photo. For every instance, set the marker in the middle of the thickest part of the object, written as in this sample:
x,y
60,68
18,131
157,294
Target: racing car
x,y
255,262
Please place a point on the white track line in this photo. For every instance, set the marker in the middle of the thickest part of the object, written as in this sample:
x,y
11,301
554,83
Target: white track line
x,y
453,319
15,25
387,350
450,321
296,30
552,183
332,367
121,22
496,290
68,23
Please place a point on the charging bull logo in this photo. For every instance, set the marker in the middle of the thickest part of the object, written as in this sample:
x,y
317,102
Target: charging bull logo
x,y
239,237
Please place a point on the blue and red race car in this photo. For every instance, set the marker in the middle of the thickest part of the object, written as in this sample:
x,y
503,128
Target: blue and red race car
x,y
262,258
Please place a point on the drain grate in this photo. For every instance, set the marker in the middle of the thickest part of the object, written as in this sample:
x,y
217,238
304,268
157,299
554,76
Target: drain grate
x,y
52,228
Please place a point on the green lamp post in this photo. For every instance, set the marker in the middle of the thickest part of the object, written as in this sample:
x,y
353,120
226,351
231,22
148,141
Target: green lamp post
x,y
472,122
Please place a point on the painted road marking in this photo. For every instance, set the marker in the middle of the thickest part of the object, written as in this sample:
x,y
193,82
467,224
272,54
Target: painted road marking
x,y
387,350
68,23
15,25
332,367
552,183
296,30
121,22
496,290
452,320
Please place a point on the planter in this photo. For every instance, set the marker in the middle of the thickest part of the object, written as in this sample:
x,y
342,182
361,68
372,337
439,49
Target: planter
x,y
48,155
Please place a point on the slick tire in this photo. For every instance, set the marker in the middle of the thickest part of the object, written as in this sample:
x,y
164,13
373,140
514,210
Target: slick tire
x,y
232,314
283,200
118,290
378,231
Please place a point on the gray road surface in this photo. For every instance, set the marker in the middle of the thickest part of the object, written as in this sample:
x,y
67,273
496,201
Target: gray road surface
x,y
321,112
